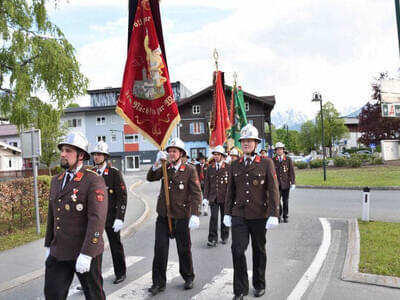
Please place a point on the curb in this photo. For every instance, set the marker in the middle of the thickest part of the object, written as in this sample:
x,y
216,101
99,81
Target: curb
x,y
357,188
350,269
124,233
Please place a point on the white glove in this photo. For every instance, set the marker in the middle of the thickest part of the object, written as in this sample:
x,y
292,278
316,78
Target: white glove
x,y
118,224
205,202
161,155
227,221
194,222
83,263
272,223
293,186
47,253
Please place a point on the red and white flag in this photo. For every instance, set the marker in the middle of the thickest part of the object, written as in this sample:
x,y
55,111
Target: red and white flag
x,y
146,100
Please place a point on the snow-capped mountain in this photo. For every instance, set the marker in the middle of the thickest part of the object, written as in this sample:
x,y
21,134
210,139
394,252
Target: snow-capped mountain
x,y
293,118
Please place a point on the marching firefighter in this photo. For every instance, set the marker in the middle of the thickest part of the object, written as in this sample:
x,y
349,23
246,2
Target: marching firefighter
x,y
251,207
117,201
234,154
215,186
286,178
183,214
76,219
201,168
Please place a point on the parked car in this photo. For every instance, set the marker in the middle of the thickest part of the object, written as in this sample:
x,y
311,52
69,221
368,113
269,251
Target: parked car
x,y
363,152
345,154
296,158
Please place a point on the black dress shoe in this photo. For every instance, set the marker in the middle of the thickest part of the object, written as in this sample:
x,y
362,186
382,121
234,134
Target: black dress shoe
x,y
212,243
155,289
223,241
119,279
285,220
188,284
279,220
205,214
238,297
259,293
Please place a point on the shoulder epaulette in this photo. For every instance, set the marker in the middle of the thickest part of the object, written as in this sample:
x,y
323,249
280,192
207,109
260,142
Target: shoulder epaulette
x,y
114,168
91,171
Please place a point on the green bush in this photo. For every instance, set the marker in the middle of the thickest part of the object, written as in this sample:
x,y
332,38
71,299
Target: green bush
x,y
316,163
301,165
340,161
57,169
355,162
374,160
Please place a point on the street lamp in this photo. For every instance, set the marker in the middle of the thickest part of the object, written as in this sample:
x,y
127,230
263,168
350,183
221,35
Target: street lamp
x,y
286,126
123,148
318,98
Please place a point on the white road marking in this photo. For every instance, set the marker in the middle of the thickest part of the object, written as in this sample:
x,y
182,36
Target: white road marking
x,y
221,286
312,271
130,260
137,289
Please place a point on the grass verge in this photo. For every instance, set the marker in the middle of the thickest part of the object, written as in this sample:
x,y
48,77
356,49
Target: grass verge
x,y
20,237
372,176
379,248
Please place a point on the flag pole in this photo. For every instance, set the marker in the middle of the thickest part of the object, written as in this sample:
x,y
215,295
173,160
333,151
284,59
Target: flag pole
x,y
167,202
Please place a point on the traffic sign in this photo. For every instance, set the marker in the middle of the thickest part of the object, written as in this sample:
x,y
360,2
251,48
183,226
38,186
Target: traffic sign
x,y
372,146
390,110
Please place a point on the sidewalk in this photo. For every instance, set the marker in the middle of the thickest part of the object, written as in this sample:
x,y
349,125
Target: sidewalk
x,y
26,262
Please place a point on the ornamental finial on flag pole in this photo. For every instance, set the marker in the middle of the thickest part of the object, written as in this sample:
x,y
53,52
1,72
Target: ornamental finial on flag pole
x,y
215,54
235,76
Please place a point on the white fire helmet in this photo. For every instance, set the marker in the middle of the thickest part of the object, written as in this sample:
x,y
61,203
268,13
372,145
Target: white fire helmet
x,y
219,149
77,140
101,147
176,143
279,145
234,152
249,132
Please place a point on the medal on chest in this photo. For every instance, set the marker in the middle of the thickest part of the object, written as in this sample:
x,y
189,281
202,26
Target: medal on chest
x,y
181,186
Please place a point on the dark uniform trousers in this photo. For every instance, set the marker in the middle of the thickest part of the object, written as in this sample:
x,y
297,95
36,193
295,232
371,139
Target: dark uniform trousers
x,y
284,195
59,275
213,228
117,251
242,229
181,232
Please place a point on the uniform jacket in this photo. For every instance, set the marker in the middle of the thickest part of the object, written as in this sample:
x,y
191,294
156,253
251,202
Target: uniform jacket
x,y
285,172
184,191
253,191
202,172
117,194
76,216
216,183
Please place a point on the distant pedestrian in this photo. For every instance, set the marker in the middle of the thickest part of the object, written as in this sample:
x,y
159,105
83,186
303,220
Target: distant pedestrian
x,y
251,207
185,199
76,219
117,201
234,154
286,178
270,151
263,153
215,186
202,168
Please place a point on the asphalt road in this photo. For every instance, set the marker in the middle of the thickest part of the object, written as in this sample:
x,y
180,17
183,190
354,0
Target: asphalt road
x,y
291,250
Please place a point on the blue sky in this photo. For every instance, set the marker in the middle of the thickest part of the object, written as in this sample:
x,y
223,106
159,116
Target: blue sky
x,y
284,48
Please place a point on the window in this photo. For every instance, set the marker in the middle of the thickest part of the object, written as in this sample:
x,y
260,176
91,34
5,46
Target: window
x,y
74,123
113,137
100,120
196,109
131,138
196,127
194,152
101,138
14,144
132,162
251,122
9,163
247,106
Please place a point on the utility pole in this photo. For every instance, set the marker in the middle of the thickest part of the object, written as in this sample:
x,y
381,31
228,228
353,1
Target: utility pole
x,y
397,5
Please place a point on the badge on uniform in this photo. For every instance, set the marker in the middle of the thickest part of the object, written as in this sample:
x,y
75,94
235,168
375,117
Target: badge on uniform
x,y
97,234
79,207
110,191
99,195
255,182
67,207
181,186
262,181
73,196
95,240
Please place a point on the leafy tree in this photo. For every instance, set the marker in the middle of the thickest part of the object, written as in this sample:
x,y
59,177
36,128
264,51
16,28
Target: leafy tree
x,y
47,119
372,125
35,58
308,139
73,105
334,128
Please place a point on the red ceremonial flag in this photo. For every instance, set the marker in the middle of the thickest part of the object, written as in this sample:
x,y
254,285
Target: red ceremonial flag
x,y
146,100
219,117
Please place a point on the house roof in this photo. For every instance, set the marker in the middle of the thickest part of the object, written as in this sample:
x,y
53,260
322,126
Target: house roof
x,y
9,147
354,114
269,100
88,109
8,129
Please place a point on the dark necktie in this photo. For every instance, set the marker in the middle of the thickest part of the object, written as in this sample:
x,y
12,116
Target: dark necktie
x,y
217,167
68,178
248,161
99,172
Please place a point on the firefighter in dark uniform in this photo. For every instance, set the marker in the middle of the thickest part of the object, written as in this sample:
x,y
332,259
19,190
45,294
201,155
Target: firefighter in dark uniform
x,y
185,199
76,219
234,154
201,168
117,200
251,207
286,178
215,186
